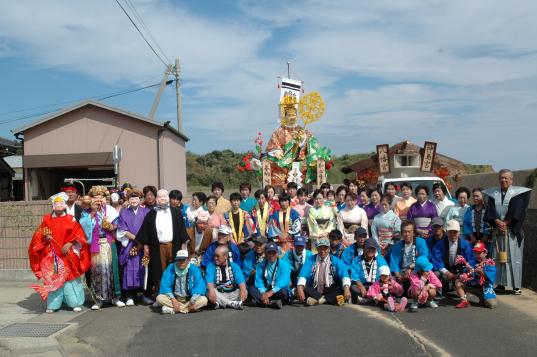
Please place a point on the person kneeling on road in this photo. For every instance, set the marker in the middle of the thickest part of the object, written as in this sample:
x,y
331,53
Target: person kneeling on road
x,y
182,288
225,281
324,278
272,279
480,279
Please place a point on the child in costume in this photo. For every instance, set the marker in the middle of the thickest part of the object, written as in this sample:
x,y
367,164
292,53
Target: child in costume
x,y
423,284
385,292
479,279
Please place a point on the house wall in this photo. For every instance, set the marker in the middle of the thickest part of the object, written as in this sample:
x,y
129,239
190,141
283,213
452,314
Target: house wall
x,y
92,129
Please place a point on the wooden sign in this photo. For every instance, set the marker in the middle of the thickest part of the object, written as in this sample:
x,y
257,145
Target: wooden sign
x,y
427,159
383,156
267,173
321,172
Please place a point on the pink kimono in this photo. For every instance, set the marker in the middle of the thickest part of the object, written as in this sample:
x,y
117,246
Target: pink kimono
x,y
380,291
417,284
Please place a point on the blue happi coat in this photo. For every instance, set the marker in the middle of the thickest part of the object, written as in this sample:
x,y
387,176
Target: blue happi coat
x,y
340,271
357,271
396,254
282,276
196,283
441,247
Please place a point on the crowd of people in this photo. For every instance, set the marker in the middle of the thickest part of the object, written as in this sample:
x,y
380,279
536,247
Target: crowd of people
x,y
348,245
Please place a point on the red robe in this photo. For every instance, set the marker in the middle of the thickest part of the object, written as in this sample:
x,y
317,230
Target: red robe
x,y
46,258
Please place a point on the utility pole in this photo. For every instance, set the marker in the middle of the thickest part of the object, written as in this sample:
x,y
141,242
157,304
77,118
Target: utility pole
x,y
176,72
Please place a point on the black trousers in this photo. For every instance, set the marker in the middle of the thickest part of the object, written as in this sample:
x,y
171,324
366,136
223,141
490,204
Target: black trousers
x,y
329,293
255,294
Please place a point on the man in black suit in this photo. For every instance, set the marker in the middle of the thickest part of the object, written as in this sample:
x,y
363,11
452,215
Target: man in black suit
x,y
162,234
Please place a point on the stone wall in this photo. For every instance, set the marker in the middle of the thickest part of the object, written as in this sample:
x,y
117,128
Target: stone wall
x,y
529,277
18,221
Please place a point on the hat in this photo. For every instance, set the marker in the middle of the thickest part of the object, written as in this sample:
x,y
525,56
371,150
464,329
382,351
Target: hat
x,y
260,239
360,231
271,247
134,192
322,242
437,221
422,263
453,225
59,197
384,270
300,241
69,187
203,216
223,229
370,243
480,247
181,254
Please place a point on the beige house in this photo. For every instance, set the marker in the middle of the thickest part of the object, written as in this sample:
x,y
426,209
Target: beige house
x,y
78,142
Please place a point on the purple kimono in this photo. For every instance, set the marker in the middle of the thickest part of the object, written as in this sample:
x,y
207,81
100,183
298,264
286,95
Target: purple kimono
x,y
422,215
371,210
133,271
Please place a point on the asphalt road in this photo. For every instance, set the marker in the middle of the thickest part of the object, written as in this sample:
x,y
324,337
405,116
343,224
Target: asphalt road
x,y
309,331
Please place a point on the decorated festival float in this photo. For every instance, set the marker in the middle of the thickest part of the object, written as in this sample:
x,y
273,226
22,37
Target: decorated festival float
x,y
293,153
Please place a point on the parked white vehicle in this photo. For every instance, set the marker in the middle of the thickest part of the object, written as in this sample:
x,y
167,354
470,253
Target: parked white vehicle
x,y
428,181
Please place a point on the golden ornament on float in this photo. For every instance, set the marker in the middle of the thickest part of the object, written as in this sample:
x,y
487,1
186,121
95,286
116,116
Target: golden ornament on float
x,y
311,107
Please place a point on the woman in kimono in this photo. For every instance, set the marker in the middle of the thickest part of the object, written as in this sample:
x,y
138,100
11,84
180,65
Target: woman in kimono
x,y
350,218
386,228
422,212
458,211
403,204
59,256
321,219
198,201
474,226
100,228
373,207
261,213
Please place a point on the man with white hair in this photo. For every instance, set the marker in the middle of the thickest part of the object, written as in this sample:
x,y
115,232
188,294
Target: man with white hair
x,y
506,211
162,234
200,235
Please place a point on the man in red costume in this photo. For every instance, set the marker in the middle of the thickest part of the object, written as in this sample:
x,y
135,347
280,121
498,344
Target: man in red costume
x,y
59,256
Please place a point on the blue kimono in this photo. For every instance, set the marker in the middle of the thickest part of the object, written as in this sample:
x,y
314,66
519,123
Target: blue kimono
x,y
248,204
470,227
431,241
396,255
249,263
441,254
208,256
340,271
275,226
276,277
357,270
196,285
238,277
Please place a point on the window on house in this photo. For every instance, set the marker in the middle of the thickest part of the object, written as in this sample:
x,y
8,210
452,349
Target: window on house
x,y
403,161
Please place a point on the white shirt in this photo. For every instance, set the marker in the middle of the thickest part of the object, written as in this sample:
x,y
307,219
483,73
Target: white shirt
x,y
71,210
442,207
164,225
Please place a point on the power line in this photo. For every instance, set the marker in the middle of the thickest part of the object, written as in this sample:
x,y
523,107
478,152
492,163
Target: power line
x,y
68,101
96,98
142,22
141,34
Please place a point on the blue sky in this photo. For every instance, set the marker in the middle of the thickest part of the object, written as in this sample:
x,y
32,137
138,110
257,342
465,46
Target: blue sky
x,y
461,73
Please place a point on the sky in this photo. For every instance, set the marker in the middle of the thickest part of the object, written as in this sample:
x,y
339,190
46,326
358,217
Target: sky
x,y
461,73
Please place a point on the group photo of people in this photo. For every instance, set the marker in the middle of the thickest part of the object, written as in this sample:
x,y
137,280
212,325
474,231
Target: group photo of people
x,y
398,247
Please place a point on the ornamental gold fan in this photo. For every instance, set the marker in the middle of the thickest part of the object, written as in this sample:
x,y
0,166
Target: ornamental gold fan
x,y
311,107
